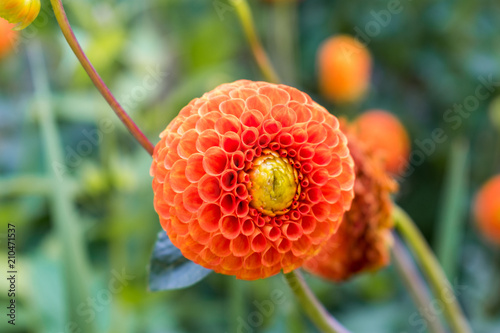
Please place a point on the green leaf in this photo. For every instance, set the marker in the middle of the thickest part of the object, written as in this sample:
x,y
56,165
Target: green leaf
x,y
169,269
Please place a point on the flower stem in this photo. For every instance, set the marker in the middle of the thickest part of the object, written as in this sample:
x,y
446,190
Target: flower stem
x,y
62,19
246,19
415,284
316,312
431,268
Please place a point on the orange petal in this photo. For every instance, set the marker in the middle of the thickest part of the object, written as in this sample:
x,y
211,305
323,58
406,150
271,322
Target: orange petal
x,y
178,179
230,142
258,242
226,124
242,208
227,203
260,103
187,144
220,245
230,226
209,216
249,137
233,107
194,168
207,140
292,231
240,246
252,118
214,161
191,199
276,95
209,188
316,133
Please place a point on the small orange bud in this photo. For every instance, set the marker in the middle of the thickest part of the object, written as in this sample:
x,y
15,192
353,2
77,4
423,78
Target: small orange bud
x,y
344,66
384,133
487,209
7,37
20,12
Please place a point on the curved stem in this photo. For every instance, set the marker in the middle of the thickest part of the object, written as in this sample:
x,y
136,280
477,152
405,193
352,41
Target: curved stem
x,y
246,19
62,19
430,266
415,284
316,312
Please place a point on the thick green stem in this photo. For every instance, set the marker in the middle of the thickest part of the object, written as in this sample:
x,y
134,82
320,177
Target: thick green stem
x,y
96,79
246,19
430,266
415,284
316,312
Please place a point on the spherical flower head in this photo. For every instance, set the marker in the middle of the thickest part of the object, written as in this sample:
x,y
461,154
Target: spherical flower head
x,y
8,37
386,136
344,69
20,12
362,242
251,179
487,210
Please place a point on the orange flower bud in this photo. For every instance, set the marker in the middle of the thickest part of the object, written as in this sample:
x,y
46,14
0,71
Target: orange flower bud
x,y
344,69
385,134
7,37
487,210
20,12
252,179
362,242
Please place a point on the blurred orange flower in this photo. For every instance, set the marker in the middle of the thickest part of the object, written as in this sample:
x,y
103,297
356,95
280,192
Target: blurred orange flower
x,y
251,179
385,134
363,239
8,37
344,69
487,209
20,12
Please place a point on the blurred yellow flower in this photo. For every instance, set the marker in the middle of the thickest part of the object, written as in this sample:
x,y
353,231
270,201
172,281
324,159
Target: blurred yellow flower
x,y
20,12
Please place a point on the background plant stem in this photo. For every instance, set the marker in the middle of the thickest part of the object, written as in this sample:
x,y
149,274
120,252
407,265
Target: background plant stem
x,y
430,266
284,39
246,19
313,308
415,284
451,219
96,79
69,233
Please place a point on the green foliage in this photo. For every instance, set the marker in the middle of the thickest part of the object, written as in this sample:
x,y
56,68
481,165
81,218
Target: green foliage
x,y
170,270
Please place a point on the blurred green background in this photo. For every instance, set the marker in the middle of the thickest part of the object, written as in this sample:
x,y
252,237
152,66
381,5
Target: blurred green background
x,y
77,186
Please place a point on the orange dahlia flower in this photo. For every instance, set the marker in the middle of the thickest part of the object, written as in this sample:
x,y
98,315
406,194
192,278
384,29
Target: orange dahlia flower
x,y
363,239
7,37
251,179
487,209
344,69
385,134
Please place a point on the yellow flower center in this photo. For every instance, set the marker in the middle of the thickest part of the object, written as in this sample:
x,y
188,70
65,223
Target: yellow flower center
x,y
273,184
